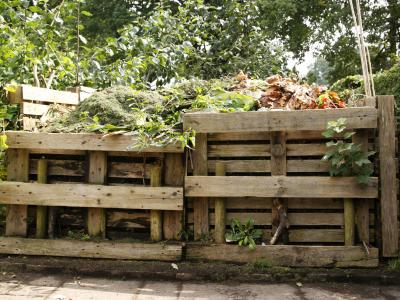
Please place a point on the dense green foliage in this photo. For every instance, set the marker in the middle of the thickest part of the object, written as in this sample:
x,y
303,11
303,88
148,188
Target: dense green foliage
x,y
345,157
153,116
386,83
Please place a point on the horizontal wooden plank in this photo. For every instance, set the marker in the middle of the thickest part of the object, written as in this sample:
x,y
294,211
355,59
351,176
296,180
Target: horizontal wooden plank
x,y
279,186
295,219
80,141
32,93
60,167
88,195
287,255
265,136
252,150
293,203
90,249
34,109
129,170
263,150
256,121
263,166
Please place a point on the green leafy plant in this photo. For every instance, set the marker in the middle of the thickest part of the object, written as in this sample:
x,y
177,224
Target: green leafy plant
x,y
78,235
346,157
243,234
394,264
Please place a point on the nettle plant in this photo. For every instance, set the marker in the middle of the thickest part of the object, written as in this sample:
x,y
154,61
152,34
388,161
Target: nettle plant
x,y
346,157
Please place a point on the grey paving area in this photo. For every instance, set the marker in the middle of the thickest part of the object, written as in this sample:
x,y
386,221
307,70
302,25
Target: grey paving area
x,y
35,286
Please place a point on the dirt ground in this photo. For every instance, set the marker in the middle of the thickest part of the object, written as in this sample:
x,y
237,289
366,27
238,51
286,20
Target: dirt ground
x,y
68,287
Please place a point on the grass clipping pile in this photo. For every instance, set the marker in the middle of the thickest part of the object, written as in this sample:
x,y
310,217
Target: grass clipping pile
x,y
154,117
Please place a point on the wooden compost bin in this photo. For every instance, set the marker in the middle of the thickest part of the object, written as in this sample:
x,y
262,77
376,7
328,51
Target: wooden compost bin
x,y
99,184
272,160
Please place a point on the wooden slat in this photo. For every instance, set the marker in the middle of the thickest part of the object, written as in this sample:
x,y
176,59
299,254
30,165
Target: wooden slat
x,y
60,167
256,150
263,150
264,136
88,195
362,117
387,176
129,170
361,207
174,173
17,170
200,206
295,219
32,93
285,255
79,141
263,166
34,109
294,203
279,151
96,218
89,249
279,186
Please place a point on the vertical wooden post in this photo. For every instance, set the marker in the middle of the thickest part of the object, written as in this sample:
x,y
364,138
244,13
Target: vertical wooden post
x,y
387,176
17,170
200,205
41,211
96,221
156,233
220,209
279,205
361,205
349,222
174,172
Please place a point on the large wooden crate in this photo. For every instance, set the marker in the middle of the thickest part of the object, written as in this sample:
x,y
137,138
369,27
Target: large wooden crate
x,y
100,186
273,158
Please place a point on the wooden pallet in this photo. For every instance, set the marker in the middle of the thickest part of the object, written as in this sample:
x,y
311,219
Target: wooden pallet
x,y
275,157
99,184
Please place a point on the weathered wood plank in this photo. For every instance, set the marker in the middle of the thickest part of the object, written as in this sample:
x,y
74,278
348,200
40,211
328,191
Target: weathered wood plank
x,y
279,186
279,205
361,207
388,198
17,170
96,218
264,136
156,222
87,195
129,170
32,93
360,117
293,203
285,255
220,209
41,211
80,141
174,173
59,167
89,249
200,206
295,219
34,109
263,150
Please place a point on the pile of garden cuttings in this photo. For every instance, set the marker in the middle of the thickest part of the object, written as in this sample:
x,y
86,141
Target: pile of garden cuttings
x,y
154,117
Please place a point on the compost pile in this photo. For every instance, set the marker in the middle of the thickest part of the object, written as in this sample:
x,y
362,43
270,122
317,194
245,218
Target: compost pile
x,y
154,117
